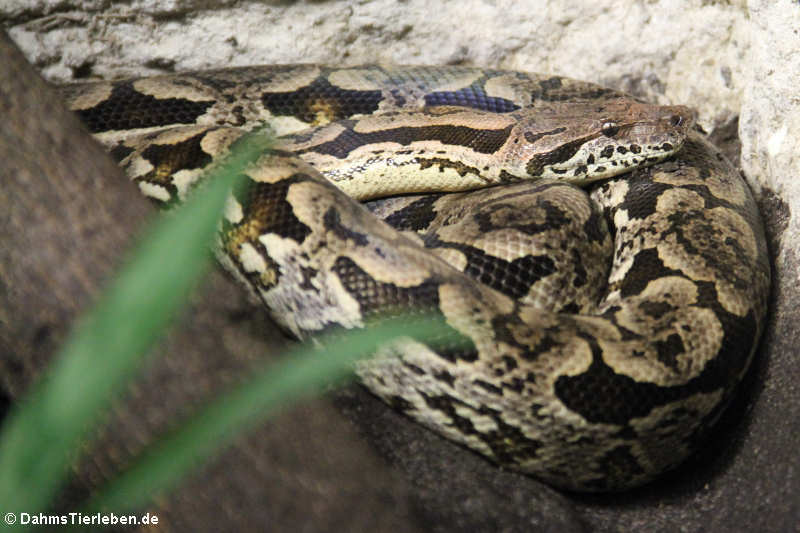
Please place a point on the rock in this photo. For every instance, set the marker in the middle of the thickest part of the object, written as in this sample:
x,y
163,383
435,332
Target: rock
x,y
665,51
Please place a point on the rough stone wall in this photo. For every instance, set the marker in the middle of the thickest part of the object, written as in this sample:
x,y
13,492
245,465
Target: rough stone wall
x,y
770,115
727,59
710,55
688,52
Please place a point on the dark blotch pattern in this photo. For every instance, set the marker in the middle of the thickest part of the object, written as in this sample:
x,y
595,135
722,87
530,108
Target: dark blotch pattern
x,y
488,387
533,137
508,444
513,278
595,229
642,199
443,163
306,102
128,109
308,274
537,163
377,300
473,97
268,209
646,266
170,158
655,309
554,217
416,216
602,396
120,152
669,349
333,223
483,141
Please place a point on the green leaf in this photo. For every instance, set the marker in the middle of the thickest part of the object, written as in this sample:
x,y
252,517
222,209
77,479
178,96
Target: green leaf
x,y
43,433
304,371
40,435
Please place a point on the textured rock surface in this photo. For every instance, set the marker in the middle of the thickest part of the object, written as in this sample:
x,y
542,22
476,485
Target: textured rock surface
x,y
668,51
727,59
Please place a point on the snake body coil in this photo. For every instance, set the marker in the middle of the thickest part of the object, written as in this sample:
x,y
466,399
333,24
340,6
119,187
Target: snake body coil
x,y
606,327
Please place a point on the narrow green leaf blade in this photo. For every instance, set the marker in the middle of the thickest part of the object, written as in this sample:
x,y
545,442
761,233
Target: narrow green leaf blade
x,y
40,434
304,371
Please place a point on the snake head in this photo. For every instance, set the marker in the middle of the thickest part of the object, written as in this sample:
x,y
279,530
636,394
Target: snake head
x,y
586,141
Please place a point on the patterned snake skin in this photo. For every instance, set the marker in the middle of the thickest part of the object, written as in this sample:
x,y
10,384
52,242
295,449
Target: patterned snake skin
x,y
602,266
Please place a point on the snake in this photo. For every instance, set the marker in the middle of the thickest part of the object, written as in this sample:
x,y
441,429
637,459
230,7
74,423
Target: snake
x,y
598,269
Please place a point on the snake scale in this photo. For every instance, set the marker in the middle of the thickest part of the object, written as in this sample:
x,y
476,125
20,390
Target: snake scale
x,y
603,267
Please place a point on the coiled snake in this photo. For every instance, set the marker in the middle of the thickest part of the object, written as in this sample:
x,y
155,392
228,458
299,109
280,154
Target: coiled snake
x,y
606,328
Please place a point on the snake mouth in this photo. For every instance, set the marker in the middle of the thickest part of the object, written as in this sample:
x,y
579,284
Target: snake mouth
x,y
615,167
590,164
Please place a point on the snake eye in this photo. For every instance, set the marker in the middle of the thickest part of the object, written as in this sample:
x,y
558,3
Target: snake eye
x,y
609,129
676,120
